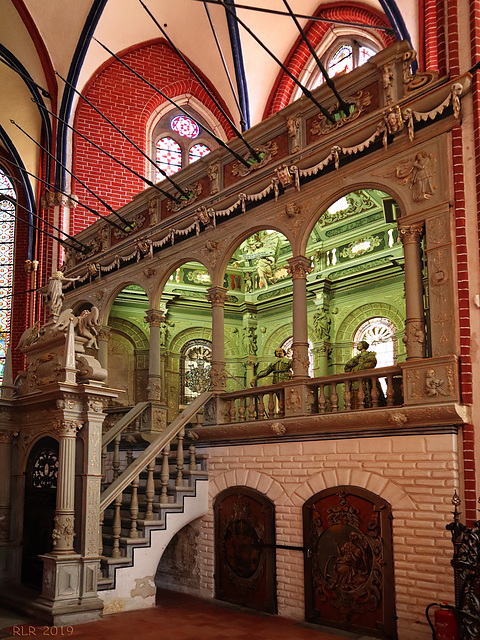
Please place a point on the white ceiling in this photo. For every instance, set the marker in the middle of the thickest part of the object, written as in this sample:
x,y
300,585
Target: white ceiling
x,y
125,23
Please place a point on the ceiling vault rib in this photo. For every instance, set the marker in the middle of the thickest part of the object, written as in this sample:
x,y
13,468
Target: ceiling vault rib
x,y
388,30
204,85
224,63
164,95
304,90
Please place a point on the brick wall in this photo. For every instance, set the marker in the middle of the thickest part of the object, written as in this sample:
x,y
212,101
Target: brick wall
x,y
129,103
315,31
417,475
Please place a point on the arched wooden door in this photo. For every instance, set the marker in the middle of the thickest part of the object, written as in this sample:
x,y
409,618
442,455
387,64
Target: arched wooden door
x,y
349,565
244,549
39,509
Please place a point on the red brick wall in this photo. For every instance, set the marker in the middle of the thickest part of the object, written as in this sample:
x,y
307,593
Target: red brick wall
x,y
315,31
21,301
128,102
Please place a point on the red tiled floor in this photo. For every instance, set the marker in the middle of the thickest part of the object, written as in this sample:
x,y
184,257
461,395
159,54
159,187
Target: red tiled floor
x,y
182,617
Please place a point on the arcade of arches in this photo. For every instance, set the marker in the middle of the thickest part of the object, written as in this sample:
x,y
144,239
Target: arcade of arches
x,y
261,380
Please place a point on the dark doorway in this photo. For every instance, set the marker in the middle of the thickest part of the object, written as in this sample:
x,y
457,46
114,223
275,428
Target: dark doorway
x,y
244,549
39,510
349,568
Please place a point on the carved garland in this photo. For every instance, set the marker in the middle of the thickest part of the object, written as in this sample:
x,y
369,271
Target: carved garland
x,y
392,121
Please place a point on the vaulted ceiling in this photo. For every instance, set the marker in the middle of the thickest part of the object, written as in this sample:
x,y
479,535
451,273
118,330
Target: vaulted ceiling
x,y
42,37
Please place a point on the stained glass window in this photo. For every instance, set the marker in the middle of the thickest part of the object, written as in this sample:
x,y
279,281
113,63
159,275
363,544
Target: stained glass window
x,y
195,363
197,151
185,127
364,53
169,156
342,60
7,236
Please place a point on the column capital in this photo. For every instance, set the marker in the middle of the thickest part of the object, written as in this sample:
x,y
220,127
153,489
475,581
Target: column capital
x,y
299,266
105,333
154,317
6,436
217,296
67,428
410,233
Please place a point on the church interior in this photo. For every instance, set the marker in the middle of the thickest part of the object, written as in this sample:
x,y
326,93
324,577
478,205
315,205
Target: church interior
x,y
239,310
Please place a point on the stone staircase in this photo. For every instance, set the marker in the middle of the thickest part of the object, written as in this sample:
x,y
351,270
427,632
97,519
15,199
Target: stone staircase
x,y
161,489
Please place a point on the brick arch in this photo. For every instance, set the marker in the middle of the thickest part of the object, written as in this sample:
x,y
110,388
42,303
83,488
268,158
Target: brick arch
x,y
126,99
252,478
374,482
299,55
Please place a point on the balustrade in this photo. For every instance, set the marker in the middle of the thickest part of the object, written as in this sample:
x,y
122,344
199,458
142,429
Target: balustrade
x,y
257,403
357,391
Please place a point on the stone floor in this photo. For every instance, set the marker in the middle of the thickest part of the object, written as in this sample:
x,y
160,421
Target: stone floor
x,y
177,617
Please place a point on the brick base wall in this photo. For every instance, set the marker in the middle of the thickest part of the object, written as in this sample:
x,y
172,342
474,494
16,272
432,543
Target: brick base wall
x,y
417,475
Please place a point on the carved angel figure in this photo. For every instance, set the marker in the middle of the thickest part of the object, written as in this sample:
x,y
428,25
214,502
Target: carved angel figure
x,y
87,326
420,174
54,296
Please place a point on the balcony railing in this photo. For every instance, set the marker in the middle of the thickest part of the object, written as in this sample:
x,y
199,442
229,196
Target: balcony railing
x,y
355,391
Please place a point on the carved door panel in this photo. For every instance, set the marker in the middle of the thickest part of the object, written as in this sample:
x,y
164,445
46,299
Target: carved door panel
x,y
39,509
349,566
244,549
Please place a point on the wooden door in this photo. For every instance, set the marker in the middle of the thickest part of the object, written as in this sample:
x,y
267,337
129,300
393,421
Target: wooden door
x,y
39,509
244,549
349,565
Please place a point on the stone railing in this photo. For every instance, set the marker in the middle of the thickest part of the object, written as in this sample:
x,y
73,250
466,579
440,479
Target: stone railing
x,y
341,392
357,391
139,476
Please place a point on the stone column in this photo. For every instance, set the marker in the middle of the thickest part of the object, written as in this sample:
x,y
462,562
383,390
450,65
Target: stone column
x,y
415,316
103,339
5,466
154,317
63,532
299,268
89,542
217,297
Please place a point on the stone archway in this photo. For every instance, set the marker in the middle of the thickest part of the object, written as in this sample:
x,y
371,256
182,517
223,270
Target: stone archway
x,y
39,509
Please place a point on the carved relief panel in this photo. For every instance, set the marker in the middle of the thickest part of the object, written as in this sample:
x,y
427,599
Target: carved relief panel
x,y
441,283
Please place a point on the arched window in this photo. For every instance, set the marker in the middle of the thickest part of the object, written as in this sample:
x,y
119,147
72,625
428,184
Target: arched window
x,y
7,237
169,156
339,54
173,148
195,363
198,150
380,335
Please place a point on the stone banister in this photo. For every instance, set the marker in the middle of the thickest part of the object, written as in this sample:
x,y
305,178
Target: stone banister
x,y
152,451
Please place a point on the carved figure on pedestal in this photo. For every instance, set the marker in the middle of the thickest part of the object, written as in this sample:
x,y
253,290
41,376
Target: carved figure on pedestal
x,y
321,322
364,360
281,369
54,296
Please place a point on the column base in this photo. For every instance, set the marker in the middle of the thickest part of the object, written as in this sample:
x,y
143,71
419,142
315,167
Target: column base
x,y
69,590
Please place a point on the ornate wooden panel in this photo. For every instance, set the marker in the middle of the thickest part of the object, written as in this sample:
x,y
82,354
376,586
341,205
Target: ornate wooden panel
x,y
244,549
349,566
39,509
